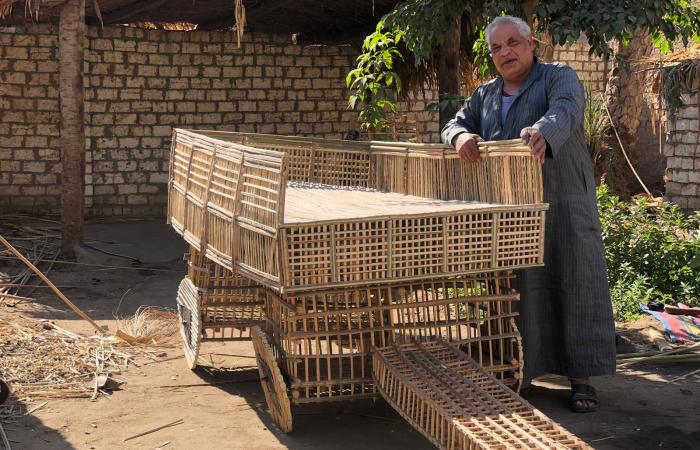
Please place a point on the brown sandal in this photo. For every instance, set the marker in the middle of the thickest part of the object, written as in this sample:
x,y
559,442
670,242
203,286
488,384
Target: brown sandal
x,y
583,392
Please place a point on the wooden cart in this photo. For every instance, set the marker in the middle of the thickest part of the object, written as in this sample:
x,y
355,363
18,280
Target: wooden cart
x,y
356,248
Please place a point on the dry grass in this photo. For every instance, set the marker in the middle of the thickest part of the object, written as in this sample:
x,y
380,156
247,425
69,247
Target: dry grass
x,y
40,360
151,326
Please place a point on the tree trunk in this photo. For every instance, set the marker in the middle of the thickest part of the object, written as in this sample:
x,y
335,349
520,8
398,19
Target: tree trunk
x,y
70,50
624,97
448,71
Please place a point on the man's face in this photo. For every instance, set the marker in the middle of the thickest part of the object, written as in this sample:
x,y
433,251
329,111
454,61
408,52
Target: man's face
x,y
511,52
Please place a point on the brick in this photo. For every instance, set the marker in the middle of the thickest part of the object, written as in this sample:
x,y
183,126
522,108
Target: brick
x,y
24,66
169,47
190,47
189,72
211,72
15,78
159,60
136,58
151,142
233,72
147,47
182,60
16,53
137,199
123,189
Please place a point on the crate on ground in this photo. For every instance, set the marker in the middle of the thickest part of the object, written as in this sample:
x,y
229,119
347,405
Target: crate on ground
x,y
456,404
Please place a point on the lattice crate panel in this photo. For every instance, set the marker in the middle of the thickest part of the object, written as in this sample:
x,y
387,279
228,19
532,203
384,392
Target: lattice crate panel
x,y
327,337
469,242
428,177
257,255
315,163
475,312
457,405
179,164
230,304
325,357
514,179
520,238
351,252
417,247
361,251
341,168
467,181
308,255
198,172
220,206
260,214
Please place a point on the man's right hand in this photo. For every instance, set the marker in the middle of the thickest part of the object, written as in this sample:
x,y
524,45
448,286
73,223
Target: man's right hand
x,y
465,144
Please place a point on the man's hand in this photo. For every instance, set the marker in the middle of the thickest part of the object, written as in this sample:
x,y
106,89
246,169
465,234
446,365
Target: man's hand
x,y
537,143
465,144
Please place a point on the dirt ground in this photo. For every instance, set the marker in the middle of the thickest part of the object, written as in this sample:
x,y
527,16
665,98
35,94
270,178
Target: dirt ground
x,y
640,409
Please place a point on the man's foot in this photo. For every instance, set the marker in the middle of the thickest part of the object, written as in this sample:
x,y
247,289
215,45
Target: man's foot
x,y
583,396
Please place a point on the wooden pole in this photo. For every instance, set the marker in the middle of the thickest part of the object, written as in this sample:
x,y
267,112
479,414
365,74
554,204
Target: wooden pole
x,y
70,50
53,287
448,69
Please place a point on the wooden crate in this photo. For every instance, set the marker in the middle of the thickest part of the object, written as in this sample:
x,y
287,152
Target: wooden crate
x,y
234,203
215,304
457,404
325,339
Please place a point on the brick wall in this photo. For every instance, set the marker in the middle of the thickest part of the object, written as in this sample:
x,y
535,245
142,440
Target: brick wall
x,y
29,118
682,149
141,83
590,68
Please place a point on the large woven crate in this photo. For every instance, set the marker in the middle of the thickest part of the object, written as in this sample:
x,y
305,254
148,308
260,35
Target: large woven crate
x,y
456,404
325,339
230,201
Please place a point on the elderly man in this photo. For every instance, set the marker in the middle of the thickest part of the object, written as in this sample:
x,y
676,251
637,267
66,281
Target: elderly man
x,y
566,316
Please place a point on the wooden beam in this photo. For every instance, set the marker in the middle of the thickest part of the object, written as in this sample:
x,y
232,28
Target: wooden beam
x,y
71,44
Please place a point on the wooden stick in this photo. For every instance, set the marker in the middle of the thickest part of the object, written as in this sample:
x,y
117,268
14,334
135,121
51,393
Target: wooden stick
x,y
5,441
683,377
171,424
53,287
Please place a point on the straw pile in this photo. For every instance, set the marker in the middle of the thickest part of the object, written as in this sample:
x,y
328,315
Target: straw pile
x,y
40,360
151,326
39,243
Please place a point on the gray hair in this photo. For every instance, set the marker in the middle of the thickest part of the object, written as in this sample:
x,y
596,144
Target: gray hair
x,y
519,23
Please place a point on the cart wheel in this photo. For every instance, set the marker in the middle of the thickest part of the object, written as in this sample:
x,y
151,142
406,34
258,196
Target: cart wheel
x,y
4,391
190,321
272,382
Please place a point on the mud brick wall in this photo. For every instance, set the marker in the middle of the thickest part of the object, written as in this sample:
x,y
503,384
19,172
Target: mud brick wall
x,y
29,122
590,68
139,84
682,150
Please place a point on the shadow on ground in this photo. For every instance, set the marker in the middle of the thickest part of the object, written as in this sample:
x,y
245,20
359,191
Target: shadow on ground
x,y
28,432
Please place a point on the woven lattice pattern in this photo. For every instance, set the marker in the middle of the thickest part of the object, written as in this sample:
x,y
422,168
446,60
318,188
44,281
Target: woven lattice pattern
x,y
230,202
457,405
326,338
371,251
228,304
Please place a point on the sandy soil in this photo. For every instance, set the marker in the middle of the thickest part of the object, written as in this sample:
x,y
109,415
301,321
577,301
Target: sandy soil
x,y
226,408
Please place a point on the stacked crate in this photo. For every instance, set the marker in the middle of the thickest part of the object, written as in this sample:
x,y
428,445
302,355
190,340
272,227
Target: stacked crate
x,y
347,300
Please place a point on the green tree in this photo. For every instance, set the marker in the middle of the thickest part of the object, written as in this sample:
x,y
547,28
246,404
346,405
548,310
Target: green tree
x,y
415,31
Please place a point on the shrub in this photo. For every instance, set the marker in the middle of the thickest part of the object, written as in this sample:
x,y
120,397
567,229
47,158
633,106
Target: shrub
x,y
651,251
